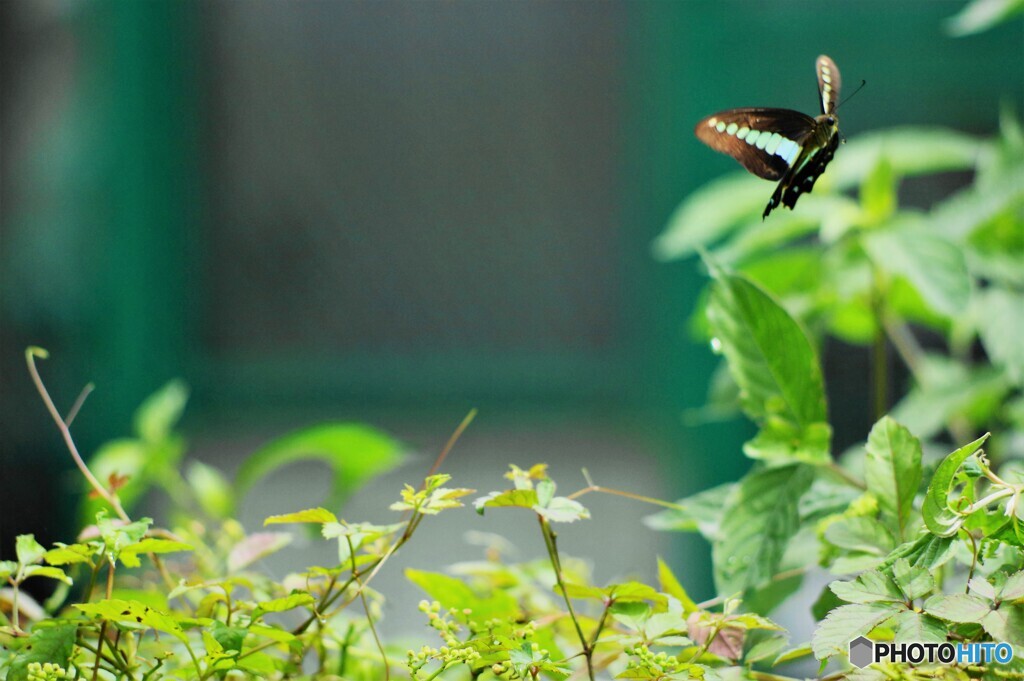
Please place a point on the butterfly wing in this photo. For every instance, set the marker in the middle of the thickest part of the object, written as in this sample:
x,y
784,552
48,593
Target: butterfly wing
x,y
800,180
829,82
764,141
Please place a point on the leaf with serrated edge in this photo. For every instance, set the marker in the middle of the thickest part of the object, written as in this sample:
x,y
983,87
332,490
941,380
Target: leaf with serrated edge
x,y
774,365
1013,589
913,580
892,470
846,623
869,587
310,515
757,525
915,627
961,608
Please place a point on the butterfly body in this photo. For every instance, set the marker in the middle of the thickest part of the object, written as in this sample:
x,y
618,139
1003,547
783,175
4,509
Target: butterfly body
x,y
780,144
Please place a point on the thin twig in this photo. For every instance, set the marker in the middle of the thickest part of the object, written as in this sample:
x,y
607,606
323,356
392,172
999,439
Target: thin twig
x,y
77,406
30,356
451,441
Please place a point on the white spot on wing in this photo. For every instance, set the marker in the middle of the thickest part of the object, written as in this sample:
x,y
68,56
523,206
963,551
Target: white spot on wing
x,y
788,150
732,128
752,137
712,122
773,142
742,132
720,126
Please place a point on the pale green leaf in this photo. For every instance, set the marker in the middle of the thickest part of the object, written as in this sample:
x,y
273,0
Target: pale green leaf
x,y
518,498
710,213
934,266
892,470
212,490
869,587
914,581
1000,320
293,600
962,608
982,15
27,549
847,622
159,413
355,453
701,512
914,627
910,150
310,515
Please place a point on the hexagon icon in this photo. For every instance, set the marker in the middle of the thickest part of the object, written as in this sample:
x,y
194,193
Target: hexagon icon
x,y
861,652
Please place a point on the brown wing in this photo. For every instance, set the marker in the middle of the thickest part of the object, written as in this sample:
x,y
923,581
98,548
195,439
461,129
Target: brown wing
x,y
764,141
829,82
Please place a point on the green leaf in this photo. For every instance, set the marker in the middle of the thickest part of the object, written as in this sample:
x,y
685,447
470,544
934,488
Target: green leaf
x,y
67,554
914,581
869,587
935,266
135,614
118,535
847,622
1006,624
310,515
915,627
212,490
1013,589
51,642
962,608
878,192
892,471
355,453
671,586
708,214
293,600
157,416
910,150
938,516
774,365
517,498
455,594
864,535
563,510
7,568
701,512
28,550
981,15
757,525
50,572
927,551
951,390
1000,314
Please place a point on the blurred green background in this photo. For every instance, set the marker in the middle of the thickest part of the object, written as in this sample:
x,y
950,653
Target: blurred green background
x,y
395,211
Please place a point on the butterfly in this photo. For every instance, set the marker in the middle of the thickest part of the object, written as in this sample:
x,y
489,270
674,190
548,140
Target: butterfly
x,y
780,144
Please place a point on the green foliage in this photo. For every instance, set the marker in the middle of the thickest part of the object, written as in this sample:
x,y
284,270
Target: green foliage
x,y
923,545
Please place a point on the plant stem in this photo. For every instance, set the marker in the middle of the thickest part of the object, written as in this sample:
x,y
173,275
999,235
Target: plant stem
x,y
556,564
30,357
879,354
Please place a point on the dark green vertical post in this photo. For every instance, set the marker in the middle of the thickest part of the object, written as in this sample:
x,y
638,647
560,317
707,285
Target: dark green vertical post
x,y
142,60
676,372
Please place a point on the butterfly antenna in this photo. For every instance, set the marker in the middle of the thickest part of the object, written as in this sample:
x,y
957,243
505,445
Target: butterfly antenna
x,y
859,87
